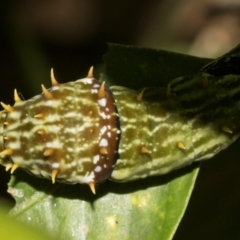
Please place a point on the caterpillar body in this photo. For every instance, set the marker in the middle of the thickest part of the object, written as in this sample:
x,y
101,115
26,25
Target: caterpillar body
x,y
86,132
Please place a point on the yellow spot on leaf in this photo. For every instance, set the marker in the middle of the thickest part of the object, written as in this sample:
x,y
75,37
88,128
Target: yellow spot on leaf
x,y
140,201
111,221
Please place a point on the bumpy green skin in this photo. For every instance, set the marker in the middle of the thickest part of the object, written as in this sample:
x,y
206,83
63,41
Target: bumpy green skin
x,y
191,119
194,113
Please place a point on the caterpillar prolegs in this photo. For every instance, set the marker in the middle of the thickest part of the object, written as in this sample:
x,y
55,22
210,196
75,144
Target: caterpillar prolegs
x,y
86,132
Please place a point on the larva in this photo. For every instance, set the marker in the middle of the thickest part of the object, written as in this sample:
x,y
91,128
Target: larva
x,y
86,132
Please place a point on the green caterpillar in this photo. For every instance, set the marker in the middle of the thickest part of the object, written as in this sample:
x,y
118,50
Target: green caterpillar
x,y
86,132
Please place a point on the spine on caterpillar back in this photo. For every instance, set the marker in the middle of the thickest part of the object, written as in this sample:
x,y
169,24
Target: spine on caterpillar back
x,y
192,119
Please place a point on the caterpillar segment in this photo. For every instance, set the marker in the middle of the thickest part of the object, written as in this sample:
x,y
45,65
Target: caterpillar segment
x,y
192,119
85,132
66,134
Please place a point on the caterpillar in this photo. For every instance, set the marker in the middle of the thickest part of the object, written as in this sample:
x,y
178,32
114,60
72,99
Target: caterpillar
x,y
85,132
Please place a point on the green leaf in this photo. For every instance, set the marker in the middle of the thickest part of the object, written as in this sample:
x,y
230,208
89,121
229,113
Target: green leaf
x,y
136,67
146,209
12,229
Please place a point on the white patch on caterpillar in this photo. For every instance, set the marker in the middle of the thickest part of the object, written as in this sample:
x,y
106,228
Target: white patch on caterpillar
x,y
94,91
120,150
85,145
73,164
70,149
55,88
103,115
52,128
102,102
31,150
15,145
98,169
103,142
49,103
55,165
15,114
109,134
103,130
96,158
96,85
70,114
49,144
87,179
86,80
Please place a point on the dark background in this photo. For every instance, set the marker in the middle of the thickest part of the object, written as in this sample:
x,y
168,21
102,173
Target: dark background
x,y
70,36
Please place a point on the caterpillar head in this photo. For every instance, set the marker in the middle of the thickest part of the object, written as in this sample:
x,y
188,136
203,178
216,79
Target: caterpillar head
x,y
69,133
